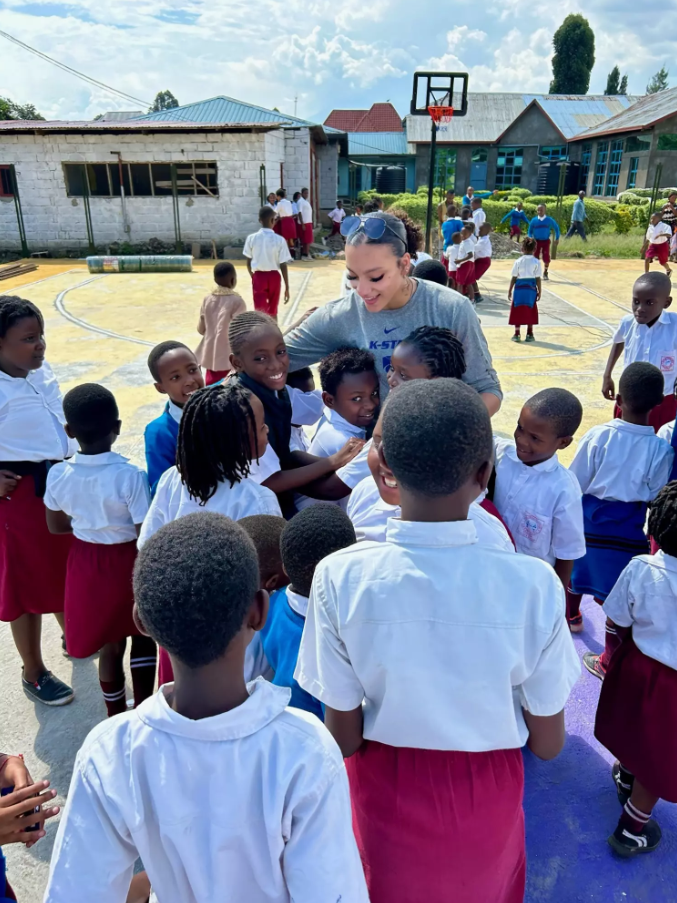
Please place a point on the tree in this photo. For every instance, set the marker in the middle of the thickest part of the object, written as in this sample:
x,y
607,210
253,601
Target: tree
x,y
623,88
613,81
164,100
659,81
11,110
574,43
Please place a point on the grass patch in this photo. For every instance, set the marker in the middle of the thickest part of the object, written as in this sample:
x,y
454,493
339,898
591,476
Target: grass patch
x,y
603,244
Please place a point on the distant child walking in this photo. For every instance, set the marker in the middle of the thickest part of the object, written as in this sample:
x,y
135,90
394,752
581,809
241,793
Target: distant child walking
x,y
479,217
453,223
337,216
431,703
267,258
465,262
648,334
657,243
305,224
218,309
637,710
540,228
483,252
286,223
517,216
102,499
525,291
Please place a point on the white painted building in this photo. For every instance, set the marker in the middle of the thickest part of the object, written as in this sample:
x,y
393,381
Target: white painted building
x,y
182,174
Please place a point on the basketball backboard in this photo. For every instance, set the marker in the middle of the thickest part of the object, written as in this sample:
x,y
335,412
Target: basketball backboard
x,y
439,89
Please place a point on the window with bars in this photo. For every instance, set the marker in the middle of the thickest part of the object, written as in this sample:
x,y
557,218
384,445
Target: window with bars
x,y
586,159
553,152
632,172
600,167
445,167
141,180
509,166
615,161
6,188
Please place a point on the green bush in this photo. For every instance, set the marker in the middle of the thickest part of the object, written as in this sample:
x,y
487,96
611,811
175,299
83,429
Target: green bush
x,y
519,192
623,220
630,198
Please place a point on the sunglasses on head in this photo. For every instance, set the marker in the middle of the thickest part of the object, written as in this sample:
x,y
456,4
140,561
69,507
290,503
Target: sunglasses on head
x,y
374,227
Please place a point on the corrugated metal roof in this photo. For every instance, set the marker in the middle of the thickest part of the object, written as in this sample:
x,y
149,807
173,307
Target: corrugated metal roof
x,y
120,115
128,125
370,144
224,109
646,112
490,115
346,120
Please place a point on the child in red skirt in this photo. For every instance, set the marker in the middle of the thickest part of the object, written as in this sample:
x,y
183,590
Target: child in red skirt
x,y
525,291
286,220
657,243
32,437
218,309
101,499
648,334
465,262
451,255
637,710
483,252
267,255
419,669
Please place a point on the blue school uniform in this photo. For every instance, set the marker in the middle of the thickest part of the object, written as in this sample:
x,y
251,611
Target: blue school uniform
x,y
516,217
281,642
449,226
160,437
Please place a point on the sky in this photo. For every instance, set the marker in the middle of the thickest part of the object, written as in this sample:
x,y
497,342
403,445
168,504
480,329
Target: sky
x,y
325,53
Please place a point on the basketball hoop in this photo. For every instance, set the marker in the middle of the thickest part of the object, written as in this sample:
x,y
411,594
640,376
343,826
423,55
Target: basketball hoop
x,y
441,115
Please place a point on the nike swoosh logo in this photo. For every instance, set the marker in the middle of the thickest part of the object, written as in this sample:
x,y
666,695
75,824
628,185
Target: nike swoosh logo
x,y
388,331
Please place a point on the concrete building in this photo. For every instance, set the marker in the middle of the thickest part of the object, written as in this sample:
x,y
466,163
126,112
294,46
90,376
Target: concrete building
x,y
624,151
193,173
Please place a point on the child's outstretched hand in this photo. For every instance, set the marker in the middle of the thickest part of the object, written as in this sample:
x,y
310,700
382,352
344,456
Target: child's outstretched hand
x,y
346,454
286,296
17,813
608,388
8,482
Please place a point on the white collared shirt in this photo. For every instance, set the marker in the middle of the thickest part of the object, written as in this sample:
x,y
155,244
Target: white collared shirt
x,y
413,630
483,247
541,505
337,215
659,234
265,466
251,805
298,440
645,598
622,461
172,501
297,602
452,255
104,495
466,247
306,407
479,217
357,469
333,431
284,208
370,515
657,345
31,418
294,208
527,267
267,251
666,431
306,210
175,412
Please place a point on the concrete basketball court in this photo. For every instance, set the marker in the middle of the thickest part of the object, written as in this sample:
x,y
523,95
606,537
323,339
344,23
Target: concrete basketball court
x,y
101,328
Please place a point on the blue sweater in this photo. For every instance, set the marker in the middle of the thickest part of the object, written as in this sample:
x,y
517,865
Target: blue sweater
x,y
449,226
160,437
281,639
516,217
540,229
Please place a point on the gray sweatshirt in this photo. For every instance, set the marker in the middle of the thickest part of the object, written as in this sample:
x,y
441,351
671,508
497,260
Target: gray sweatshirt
x,y
347,322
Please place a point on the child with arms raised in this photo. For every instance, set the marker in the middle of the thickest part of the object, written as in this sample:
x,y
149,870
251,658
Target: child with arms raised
x,y
218,309
637,710
205,753
620,467
101,499
420,670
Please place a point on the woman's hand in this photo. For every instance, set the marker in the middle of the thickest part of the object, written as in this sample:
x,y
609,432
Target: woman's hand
x,y
346,454
18,815
8,482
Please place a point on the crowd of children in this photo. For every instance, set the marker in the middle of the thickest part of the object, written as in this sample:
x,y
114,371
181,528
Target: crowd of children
x,y
343,553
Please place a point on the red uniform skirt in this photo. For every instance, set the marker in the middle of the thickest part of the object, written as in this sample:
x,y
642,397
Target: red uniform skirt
x,y
307,236
215,376
482,264
637,718
99,596
660,252
434,826
32,560
465,274
663,413
523,315
515,231
288,228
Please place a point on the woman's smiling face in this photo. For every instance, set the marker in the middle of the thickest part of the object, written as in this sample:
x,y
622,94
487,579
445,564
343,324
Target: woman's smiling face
x,y
375,273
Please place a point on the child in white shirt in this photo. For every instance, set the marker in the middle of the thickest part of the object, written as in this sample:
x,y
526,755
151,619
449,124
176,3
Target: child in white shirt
x,y
306,406
337,215
479,217
620,467
425,677
101,499
305,224
648,334
196,587
657,243
451,254
637,711
285,225
267,255
525,291
537,497
483,252
465,265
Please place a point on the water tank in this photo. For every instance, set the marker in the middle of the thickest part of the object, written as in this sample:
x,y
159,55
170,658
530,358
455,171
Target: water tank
x,y
391,179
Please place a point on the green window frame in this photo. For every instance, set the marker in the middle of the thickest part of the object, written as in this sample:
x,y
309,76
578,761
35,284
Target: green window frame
x,y
615,163
509,166
632,172
600,167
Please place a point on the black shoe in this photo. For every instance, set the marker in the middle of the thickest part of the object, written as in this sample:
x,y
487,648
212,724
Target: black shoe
x,y
622,791
478,299
546,277
48,690
627,844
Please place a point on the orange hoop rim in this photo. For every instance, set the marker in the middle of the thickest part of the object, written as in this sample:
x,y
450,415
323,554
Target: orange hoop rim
x,y
441,114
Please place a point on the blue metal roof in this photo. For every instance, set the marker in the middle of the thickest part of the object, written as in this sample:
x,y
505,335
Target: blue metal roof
x,y
227,109
573,114
372,144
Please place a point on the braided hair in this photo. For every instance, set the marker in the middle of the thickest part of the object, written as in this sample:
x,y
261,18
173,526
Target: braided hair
x,y
13,309
215,439
663,519
439,349
244,324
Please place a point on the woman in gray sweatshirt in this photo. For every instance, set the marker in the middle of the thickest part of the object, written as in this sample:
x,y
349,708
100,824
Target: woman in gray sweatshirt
x,y
386,304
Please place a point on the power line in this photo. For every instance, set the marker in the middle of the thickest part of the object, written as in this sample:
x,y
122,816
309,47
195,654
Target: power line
x,y
86,78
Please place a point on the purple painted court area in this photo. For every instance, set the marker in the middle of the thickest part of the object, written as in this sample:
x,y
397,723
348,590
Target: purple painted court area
x,y
571,808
